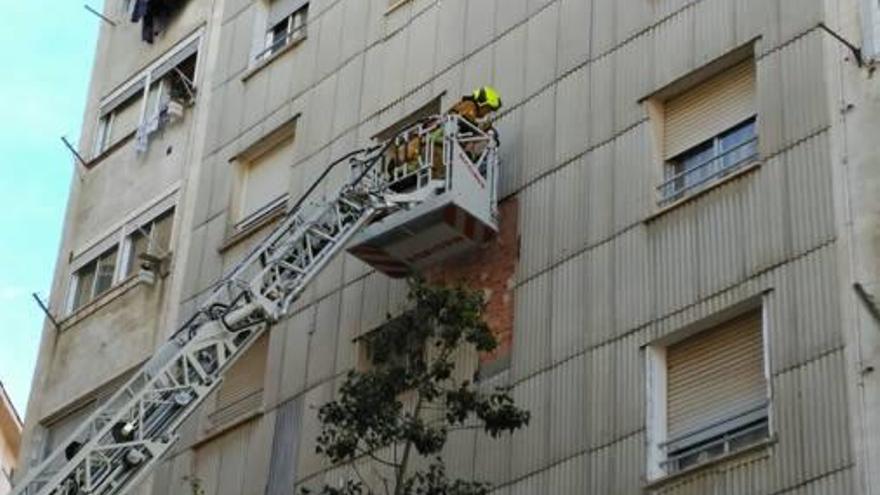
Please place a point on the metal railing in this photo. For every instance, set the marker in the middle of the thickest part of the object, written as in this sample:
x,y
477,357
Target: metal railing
x,y
290,38
686,181
720,436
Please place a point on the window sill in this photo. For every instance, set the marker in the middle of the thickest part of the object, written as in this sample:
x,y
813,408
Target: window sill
x,y
758,448
396,5
261,64
253,227
113,293
110,150
704,190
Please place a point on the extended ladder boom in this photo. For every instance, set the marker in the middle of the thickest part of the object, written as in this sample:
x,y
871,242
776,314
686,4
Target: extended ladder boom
x,y
122,441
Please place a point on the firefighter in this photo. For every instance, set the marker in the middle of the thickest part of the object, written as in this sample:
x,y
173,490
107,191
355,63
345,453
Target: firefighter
x,y
478,106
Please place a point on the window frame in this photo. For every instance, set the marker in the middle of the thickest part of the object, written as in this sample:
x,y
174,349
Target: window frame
x,y
118,238
293,34
870,10
676,173
94,263
656,420
366,352
244,163
141,84
129,259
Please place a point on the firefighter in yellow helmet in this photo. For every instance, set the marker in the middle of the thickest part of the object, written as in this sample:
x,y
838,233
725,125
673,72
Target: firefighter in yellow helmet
x,y
477,106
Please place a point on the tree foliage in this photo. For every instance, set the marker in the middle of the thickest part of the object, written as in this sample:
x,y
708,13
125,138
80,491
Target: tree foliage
x,y
409,400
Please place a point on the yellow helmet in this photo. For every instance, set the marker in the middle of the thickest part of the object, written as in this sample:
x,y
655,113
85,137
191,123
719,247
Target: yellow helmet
x,y
487,96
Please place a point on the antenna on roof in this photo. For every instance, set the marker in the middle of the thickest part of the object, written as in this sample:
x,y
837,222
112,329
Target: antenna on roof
x,y
100,15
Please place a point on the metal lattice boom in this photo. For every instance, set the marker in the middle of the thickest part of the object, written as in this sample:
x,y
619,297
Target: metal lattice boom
x,y
120,443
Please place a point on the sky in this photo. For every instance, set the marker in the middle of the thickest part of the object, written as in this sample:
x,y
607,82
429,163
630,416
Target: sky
x,y
46,50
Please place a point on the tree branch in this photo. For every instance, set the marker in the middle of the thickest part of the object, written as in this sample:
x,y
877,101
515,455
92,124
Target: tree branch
x,y
358,473
379,459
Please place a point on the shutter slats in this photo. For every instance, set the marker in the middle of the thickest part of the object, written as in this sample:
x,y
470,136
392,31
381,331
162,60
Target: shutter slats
x,y
709,109
267,178
243,384
715,375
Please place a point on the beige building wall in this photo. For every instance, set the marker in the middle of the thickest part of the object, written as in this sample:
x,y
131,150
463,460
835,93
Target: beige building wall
x,y
113,199
10,441
607,273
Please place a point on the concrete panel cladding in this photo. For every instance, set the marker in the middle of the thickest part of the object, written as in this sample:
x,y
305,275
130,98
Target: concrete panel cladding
x,y
594,267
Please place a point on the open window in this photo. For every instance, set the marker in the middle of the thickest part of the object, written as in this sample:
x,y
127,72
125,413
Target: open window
x,y
118,122
149,244
379,349
709,131
286,26
157,96
708,394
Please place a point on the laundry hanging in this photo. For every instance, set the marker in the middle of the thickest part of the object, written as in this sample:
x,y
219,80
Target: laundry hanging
x,y
153,15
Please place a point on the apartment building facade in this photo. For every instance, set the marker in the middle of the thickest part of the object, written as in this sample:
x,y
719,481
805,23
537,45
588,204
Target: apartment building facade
x,y
683,280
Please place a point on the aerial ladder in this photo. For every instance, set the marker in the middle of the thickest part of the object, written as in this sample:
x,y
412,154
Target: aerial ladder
x,y
124,439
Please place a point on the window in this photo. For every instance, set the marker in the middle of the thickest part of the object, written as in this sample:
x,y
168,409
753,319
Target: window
x,y
117,254
168,86
427,110
871,29
126,9
287,25
709,131
264,172
382,349
708,395
242,390
118,123
94,278
152,239
61,427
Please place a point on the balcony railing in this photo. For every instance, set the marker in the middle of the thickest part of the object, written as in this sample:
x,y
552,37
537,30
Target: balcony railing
x,y
716,439
690,180
290,38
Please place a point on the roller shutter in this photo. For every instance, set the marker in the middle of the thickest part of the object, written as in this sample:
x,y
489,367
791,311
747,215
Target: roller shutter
x,y
715,375
709,108
242,388
266,179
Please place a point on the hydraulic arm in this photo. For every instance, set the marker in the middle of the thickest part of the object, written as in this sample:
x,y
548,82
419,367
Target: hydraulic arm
x,y
128,435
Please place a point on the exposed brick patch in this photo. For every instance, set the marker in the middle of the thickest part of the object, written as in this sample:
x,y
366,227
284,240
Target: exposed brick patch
x,y
492,268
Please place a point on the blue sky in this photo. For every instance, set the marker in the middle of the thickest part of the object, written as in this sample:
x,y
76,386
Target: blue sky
x,y
47,49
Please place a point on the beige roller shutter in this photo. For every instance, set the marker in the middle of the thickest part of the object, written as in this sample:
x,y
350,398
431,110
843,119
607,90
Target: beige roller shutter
x,y
242,388
709,108
266,179
715,375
